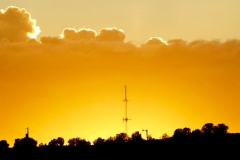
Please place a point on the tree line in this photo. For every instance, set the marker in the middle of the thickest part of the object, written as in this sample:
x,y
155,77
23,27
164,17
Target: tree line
x,y
207,130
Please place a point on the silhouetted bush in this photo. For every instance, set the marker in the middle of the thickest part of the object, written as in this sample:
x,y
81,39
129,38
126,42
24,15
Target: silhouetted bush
x,y
99,141
56,142
3,144
136,137
78,142
25,143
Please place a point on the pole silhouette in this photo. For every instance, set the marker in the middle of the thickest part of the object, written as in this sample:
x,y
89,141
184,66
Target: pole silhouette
x,y
126,119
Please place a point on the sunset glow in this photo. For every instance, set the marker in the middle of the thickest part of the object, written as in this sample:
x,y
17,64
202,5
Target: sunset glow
x,y
35,32
63,69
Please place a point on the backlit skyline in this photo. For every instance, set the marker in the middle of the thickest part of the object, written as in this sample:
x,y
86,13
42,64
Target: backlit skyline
x,y
72,85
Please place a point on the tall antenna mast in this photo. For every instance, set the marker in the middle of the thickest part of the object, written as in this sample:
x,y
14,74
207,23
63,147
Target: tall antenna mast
x,y
125,119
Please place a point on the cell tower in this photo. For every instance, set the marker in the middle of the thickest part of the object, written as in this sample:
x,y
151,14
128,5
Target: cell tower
x,y
126,119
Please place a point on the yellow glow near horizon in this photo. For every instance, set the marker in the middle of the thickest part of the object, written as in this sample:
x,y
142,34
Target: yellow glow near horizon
x,y
75,88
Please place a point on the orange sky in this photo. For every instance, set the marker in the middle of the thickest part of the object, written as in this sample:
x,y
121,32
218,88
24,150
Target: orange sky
x,y
73,85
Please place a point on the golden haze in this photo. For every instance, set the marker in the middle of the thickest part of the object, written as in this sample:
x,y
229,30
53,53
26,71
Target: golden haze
x,y
73,85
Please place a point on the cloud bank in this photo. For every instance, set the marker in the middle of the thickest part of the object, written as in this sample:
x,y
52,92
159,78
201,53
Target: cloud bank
x,y
108,47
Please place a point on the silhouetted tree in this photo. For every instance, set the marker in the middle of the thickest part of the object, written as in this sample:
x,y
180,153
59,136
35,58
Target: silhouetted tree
x,y
56,142
17,143
53,143
110,140
73,141
60,141
178,133
121,138
165,136
149,137
78,142
99,141
41,145
25,142
181,133
207,129
136,137
28,142
3,144
220,129
83,142
186,132
196,133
